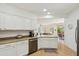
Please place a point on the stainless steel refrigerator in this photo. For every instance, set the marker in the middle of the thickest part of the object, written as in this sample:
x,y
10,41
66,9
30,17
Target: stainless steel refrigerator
x,y
77,37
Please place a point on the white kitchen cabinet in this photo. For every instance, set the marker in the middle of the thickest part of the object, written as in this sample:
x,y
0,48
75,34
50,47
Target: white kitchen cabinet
x,y
19,48
22,48
47,43
27,24
7,21
8,50
23,24
18,23
2,21
10,22
34,24
14,22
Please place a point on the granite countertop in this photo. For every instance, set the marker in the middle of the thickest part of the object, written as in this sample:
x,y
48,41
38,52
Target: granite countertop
x,y
14,39
7,41
47,36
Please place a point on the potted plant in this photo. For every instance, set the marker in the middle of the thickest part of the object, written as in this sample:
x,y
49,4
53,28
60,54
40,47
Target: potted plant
x,y
59,31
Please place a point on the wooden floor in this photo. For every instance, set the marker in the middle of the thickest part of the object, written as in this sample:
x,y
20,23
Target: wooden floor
x,y
62,50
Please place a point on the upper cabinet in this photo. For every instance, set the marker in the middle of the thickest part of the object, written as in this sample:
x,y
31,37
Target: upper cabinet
x,y
10,22
2,21
13,18
26,23
34,24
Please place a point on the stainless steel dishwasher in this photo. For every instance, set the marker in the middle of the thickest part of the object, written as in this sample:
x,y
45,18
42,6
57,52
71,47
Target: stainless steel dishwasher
x,y
33,45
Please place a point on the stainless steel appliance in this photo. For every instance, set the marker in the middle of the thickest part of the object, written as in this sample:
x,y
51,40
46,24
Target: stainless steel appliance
x,y
32,45
77,37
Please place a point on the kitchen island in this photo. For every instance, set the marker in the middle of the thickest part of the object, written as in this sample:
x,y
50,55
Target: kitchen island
x,y
47,42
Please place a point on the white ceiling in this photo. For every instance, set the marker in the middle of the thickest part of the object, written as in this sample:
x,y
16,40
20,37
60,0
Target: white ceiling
x,y
56,9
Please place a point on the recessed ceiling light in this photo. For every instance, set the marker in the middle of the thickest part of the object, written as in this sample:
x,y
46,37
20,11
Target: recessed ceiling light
x,y
44,10
48,13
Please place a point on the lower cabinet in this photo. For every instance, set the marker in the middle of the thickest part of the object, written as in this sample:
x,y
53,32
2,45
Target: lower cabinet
x,y
47,43
19,48
22,48
8,50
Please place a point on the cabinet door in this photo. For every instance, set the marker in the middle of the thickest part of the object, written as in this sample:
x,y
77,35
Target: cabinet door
x,y
40,43
9,22
27,24
47,43
14,22
22,48
22,23
8,50
2,20
34,24
50,42
18,23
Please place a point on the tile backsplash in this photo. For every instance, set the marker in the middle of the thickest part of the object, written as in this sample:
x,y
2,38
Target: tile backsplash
x,y
9,33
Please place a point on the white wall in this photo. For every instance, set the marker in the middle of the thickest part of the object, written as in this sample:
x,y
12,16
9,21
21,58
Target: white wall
x,y
49,22
10,10
12,33
70,34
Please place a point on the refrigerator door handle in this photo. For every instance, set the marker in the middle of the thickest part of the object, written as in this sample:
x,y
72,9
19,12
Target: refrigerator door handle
x,y
76,34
